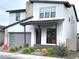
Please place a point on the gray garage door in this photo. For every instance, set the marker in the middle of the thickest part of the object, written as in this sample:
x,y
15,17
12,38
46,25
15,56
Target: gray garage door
x,y
17,39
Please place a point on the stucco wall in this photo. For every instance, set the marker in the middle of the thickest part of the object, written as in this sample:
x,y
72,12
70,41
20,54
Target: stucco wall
x,y
70,29
12,17
59,8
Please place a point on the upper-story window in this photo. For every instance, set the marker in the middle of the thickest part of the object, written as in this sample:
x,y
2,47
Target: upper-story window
x,y
17,16
47,12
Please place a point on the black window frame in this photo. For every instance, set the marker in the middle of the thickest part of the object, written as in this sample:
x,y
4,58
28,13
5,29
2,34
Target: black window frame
x,y
47,39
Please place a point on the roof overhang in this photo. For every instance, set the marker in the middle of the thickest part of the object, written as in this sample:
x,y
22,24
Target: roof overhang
x,y
42,22
16,11
18,22
66,3
75,11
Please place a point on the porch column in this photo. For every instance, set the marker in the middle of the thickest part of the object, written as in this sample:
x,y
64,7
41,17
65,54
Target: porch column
x,y
39,34
24,35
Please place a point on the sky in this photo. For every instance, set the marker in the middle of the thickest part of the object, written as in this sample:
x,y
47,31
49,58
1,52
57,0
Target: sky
x,y
21,4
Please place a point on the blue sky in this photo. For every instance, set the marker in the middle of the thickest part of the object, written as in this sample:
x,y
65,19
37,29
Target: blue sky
x,y
21,4
9,5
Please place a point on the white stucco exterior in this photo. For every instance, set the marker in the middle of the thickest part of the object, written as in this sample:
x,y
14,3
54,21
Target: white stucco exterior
x,y
65,30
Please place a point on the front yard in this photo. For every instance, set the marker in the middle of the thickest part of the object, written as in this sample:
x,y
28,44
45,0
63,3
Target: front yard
x,y
60,51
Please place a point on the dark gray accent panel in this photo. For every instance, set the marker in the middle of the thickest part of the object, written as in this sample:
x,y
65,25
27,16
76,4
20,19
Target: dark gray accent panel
x,y
15,11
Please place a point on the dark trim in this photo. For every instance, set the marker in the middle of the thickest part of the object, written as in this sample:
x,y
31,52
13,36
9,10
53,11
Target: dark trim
x,y
66,3
16,11
18,22
75,11
40,22
1,28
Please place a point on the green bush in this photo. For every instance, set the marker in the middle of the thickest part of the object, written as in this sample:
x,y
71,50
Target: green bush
x,y
32,49
62,51
26,51
20,47
12,50
48,51
16,48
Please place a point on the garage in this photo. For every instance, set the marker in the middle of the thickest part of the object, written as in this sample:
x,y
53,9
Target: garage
x,y
17,39
1,35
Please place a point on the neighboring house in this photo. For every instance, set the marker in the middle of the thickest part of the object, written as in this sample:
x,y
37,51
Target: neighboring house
x,y
53,23
1,34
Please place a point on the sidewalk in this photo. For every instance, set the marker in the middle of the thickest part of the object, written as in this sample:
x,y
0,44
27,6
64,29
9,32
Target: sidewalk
x,y
23,56
26,56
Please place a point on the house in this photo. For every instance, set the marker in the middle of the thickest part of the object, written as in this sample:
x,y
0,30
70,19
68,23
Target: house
x,y
53,23
1,34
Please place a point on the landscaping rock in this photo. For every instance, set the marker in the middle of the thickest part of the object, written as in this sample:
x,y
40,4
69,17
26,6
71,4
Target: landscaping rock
x,y
37,53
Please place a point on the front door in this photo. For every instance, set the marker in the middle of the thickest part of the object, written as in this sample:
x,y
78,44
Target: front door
x,y
51,36
38,36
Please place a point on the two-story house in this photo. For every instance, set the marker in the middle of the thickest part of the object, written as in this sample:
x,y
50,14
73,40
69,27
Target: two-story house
x,y
53,23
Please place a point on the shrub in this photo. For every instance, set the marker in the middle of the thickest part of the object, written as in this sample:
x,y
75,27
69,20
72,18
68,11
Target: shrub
x,y
50,51
44,51
47,52
20,47
62,51
26,51
32,49
16,48
38,50
12,50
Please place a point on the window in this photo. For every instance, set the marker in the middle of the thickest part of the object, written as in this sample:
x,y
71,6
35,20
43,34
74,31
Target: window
x,y
47,15
42,13
47,12
53,12
51,36
17,16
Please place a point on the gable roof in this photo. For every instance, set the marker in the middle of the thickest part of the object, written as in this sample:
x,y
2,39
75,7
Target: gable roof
x,y
75,11
18,22
66,3
15,11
